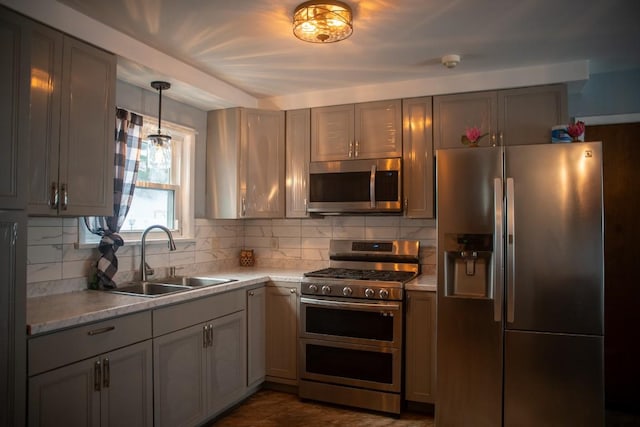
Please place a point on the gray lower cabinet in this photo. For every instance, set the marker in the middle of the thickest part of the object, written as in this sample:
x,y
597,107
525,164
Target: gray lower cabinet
x,y
256,317
98,374
199,370
420,354
282,332
113,389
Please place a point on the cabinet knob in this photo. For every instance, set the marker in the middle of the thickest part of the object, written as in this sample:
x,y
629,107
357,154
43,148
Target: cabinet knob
x,y
292,290
251,293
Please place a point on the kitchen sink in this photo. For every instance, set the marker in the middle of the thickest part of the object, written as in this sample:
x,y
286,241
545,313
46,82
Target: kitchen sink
x,y
195,282
147,289
167,286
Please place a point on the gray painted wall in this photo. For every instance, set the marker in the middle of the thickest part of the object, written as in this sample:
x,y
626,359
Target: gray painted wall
x,y
607,93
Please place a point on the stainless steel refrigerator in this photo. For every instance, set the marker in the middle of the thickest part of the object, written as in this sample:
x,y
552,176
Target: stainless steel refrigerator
x,y
520,286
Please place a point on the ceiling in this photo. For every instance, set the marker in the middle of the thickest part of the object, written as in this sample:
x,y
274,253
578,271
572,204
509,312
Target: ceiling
x,y
249,45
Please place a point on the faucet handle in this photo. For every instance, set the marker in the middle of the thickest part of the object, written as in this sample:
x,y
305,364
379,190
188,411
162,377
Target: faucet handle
x,y
148,269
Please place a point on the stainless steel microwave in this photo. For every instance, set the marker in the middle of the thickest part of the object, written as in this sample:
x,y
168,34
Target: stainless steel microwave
x,y
355,186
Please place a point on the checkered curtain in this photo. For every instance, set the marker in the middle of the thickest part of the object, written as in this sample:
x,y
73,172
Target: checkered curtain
x,y
127,158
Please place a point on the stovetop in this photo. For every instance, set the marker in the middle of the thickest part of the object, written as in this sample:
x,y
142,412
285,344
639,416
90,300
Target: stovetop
x,y
363,274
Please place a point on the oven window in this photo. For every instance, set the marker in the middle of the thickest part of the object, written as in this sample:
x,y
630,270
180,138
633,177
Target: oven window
x,y
349,323
348,363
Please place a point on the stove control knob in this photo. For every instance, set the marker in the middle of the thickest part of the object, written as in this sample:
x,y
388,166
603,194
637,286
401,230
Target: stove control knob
x,y
313,289
326,290
369,292
346,291
384,294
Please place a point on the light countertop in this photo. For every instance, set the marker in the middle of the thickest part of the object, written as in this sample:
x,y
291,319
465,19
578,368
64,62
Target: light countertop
x,y
53,312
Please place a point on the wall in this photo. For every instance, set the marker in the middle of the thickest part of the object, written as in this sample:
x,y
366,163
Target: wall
x,y
606,94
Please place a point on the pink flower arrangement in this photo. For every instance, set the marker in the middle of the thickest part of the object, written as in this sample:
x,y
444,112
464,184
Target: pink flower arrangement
x,y
576,130
472,136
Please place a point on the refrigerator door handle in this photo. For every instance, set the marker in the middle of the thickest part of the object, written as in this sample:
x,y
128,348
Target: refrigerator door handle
x,y
498,245
511,252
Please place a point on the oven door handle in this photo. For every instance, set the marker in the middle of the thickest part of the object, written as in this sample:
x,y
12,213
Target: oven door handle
x,y
363,306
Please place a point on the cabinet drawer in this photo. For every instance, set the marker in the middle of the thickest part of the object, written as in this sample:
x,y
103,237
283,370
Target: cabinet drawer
x,y
61,348
180,316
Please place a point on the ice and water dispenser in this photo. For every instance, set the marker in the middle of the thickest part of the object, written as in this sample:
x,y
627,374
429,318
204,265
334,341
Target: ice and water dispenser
x,y
468,264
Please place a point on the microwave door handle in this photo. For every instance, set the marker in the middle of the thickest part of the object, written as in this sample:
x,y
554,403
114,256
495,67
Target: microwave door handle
x,y
372,187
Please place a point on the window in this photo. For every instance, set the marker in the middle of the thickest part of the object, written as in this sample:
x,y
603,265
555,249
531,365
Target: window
x,y
163,189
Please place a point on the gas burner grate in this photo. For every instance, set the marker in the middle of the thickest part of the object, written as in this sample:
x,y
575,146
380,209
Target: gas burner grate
x,y
359,274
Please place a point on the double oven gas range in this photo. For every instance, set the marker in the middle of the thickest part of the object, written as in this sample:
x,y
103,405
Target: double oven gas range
x,y
351,324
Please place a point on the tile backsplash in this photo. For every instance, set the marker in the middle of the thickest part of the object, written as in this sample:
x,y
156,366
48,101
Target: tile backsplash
x,y
55,263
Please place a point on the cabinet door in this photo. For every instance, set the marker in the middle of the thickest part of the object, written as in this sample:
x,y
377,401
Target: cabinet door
x,y
297,166
127,396
528,114
282,333
179,377
68,396
420,347
14,110
87,130
227,363
418,167
44,141
378,129
13,256
453,114
332,133
256,316
262,164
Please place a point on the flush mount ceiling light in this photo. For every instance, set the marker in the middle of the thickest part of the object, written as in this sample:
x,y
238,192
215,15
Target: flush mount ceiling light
x,y
159,138
450,61
322,21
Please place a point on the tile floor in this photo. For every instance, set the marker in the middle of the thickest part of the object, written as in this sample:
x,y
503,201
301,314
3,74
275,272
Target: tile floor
x,y
271,408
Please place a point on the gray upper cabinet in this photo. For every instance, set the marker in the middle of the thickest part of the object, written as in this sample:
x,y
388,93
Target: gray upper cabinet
x,y
14,110
245,163
418,160
298,128
357,131
526,115
510,117
72,126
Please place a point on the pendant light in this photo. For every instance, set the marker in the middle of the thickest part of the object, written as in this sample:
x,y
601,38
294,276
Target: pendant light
x,y
159,138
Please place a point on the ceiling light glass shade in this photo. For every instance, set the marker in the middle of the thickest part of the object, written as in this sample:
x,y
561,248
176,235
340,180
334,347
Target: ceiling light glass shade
x,y
322,21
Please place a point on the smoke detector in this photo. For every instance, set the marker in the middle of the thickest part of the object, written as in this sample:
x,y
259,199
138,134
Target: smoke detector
x,y
450,61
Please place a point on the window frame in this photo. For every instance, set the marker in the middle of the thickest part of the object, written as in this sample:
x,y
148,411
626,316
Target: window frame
x,y
184,140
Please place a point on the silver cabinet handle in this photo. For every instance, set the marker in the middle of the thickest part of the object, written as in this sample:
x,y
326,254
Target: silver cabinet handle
x,y
501,137
106,374
372,186
511,252
251,293
292,290
101,330
97,375
53,196
350,149
493,139
205,336
357,150
210,336
64,196
498,245
244,207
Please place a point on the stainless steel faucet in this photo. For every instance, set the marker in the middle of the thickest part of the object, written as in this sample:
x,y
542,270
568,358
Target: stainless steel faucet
x,y
144,267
